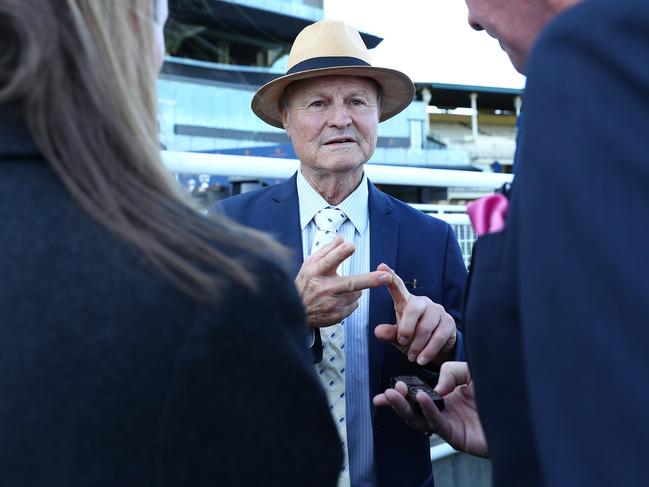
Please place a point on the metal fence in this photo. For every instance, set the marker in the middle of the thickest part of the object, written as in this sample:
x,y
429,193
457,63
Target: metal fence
x,y
454,215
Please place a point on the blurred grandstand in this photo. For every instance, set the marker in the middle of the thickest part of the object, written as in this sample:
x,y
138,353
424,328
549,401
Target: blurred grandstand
x,y
220,52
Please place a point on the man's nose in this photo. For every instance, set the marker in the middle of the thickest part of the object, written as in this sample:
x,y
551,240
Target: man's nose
x,y
475,25
340,116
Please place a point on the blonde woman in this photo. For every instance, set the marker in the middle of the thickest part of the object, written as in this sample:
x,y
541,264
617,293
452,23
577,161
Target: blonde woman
x,y
140,344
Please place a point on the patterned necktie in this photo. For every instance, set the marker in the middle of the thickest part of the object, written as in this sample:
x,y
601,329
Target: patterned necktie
x,y
328,221
332,368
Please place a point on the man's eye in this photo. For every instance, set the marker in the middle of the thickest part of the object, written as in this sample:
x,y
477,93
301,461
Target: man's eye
x,y
358,102
317,104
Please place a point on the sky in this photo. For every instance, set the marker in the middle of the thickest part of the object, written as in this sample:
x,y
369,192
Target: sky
x,y
429,40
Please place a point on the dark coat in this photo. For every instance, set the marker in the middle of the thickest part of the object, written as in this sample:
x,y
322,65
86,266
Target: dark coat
x,y
557,316
417,247
110,376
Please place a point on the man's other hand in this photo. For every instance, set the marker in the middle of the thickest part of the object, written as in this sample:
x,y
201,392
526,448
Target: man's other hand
x,y
424,331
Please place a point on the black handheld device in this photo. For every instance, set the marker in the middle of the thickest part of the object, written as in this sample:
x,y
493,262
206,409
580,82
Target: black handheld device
x,y
415,384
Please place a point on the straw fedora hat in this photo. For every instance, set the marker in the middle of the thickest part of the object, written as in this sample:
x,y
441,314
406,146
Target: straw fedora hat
x,y
330,48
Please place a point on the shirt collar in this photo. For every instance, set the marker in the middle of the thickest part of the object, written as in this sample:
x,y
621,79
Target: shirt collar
x,y
354,206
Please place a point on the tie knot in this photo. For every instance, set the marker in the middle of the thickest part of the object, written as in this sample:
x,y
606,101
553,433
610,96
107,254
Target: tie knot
x,y
329,219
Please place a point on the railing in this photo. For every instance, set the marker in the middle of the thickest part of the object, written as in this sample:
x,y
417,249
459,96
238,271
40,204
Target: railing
x,y
265,167
454,215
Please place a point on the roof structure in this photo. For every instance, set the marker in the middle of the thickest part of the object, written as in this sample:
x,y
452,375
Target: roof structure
x,y
458,96
248,21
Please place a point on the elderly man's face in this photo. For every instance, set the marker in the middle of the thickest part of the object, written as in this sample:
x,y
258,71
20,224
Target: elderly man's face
x,y
332,122
514,23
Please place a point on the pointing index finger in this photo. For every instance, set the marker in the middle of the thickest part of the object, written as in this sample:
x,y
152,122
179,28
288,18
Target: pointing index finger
x,y
359,282
397,288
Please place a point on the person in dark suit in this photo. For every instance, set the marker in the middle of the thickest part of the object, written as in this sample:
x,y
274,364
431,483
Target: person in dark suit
x,y
330,103
556,312
141,344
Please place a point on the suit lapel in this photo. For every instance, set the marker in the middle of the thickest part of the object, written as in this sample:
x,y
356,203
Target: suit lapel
x,y
384,230
284,219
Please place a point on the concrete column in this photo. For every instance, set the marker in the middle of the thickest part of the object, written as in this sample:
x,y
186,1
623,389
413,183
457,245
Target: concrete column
x,y
474,114
416,135
426,96
518,103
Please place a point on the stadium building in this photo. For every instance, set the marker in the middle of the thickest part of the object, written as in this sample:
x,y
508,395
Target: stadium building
x,y
220,52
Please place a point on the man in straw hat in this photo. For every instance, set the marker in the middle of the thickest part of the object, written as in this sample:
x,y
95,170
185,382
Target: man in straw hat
x,y
351,243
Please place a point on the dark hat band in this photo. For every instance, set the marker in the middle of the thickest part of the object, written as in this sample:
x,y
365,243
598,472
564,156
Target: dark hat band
x,y
327,62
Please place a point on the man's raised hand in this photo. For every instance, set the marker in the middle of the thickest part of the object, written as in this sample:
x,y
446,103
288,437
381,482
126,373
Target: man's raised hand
x,y
329,298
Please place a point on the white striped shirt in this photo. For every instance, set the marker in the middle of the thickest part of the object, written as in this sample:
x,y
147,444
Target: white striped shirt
x,y
355,229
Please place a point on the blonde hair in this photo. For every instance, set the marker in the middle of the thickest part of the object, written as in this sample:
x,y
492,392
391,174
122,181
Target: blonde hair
x,y
84,72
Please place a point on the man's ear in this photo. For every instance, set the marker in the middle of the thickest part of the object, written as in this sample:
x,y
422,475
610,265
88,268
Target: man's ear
x,y
283,113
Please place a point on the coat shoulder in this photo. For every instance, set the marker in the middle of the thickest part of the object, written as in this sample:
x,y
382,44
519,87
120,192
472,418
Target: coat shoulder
x,y
243,200
412,216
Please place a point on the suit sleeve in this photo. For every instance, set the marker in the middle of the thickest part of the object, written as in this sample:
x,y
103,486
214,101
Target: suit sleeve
x,y
454,281
244,406
454,278
583,190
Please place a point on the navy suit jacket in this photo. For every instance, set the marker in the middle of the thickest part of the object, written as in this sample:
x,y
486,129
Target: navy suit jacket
x,y
557,315
417,247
